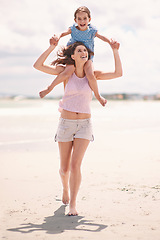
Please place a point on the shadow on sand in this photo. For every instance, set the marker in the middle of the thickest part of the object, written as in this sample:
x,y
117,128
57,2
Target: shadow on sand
x,y
60,222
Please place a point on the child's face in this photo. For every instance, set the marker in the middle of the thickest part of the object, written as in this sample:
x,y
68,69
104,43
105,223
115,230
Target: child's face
x,y
82,20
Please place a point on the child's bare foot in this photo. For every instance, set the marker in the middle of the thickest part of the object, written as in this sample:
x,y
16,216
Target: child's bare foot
x,y
43,93
102,101
72,211
65,196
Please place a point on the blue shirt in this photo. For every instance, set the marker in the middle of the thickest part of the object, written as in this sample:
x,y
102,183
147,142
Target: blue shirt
x,y
86,37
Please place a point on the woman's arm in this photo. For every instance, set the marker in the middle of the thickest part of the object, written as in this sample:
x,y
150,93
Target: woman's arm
x,y
39,64
118,67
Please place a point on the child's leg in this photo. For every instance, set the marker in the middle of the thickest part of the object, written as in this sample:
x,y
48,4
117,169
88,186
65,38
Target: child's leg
x,y
60,78
93,82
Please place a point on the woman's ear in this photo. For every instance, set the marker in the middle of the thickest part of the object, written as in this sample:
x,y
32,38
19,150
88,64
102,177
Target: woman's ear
x,y
72,56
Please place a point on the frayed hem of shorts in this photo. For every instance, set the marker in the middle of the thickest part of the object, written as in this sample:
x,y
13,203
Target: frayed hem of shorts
x,y
56,139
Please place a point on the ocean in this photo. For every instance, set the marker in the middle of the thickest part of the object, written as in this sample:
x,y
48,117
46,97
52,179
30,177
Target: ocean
x,y
28,121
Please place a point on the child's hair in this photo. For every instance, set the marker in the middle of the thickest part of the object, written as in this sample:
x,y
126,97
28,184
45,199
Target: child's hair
x,y
82,9
64,54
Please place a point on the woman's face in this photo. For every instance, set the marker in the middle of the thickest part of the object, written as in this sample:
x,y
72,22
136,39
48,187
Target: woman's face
x,y
80,54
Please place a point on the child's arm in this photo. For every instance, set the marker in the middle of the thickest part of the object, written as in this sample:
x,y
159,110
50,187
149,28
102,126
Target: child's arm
x,y
103,38
56,38
63,34
118,66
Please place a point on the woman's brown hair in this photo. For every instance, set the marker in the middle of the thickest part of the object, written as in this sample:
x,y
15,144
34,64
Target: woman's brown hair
x,y
64,54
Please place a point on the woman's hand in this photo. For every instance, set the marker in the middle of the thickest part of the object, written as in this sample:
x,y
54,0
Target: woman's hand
x,y
54,40
114,44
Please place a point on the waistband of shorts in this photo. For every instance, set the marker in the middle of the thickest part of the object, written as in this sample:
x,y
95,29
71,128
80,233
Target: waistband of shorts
x,y
87,120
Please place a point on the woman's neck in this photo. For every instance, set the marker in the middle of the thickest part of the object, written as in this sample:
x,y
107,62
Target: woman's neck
x,y
79,71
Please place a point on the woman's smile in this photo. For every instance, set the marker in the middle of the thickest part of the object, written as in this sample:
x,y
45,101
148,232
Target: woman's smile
x,y
81,52
83,57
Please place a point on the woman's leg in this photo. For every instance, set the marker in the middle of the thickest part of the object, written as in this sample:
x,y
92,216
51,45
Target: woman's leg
x,y
88,68
79,148
65,149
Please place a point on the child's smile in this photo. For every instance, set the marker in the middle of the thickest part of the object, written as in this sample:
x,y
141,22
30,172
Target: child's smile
x,y
82,20
83,25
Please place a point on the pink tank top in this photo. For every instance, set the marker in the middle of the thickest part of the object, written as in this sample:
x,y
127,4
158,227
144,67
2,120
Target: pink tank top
x,y
77,95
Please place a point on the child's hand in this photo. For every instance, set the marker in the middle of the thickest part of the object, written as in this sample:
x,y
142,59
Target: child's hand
x,y
54,40
115,44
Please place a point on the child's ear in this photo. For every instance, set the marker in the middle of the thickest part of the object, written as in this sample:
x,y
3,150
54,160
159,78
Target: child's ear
x,y
89,19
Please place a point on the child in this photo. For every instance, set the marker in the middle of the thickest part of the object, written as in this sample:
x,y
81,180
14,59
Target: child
x,y
83,32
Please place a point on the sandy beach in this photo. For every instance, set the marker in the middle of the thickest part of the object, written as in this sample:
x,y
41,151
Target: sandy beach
x,y
119,197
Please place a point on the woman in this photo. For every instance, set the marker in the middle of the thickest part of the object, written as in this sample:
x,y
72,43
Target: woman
x,y
75,130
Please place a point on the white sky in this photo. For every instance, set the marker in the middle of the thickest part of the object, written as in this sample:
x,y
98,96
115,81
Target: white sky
x,y
27,25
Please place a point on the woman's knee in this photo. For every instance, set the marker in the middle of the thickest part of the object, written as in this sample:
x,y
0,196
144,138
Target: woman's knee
x,y
74,167
63,171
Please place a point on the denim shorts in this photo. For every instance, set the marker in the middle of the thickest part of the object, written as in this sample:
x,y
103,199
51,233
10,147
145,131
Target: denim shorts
x,y
68,130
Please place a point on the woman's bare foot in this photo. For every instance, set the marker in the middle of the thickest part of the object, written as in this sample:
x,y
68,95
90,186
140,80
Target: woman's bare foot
x,y
65,196
72,211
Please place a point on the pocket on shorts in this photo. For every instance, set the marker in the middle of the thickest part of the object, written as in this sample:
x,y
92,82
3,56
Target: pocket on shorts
x,y
87,125
62,130
86,131
87,128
